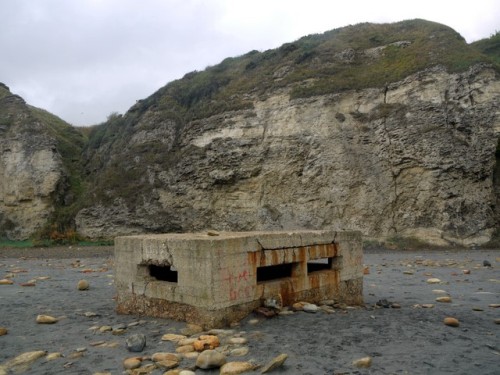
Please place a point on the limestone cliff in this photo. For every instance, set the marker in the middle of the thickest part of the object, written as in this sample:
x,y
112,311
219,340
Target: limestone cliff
x,y
389,129
413,156
33,178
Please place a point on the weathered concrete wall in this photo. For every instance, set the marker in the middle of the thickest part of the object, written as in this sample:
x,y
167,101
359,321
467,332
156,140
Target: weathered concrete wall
x,y
215,280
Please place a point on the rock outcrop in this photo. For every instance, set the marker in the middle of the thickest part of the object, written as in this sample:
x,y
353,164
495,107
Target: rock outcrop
x,y
32,173
414,158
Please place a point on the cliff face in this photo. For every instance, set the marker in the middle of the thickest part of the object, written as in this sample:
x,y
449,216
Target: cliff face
x,y
415,158
30,169
388,129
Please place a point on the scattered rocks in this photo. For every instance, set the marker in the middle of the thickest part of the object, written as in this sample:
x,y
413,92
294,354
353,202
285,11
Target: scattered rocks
x,y
46,319
364,362
433,280
452,322
136,342
274,363
240,352
210,359
159,357
83,285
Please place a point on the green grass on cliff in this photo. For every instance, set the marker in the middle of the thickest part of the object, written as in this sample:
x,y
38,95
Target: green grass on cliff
x,y
317,64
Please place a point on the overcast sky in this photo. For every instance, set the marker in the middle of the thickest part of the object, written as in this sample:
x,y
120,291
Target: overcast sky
x,y
84,59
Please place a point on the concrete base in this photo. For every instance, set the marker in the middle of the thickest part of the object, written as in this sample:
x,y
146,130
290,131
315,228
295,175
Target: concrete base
x,y
216,280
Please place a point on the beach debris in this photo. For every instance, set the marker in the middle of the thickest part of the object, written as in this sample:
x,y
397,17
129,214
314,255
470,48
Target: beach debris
x,y
452,322
209,359
274,363
234,368
364,362
46,319
136,342
83,285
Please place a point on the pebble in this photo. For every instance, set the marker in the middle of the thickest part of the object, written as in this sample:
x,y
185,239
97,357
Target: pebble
x,y
52,356
3,331
191,355
427,305
234,368
136,342
210,359
132,363
310,308
45,319
274,363
486,263
188,341
433,280
105,328
205,342
6,282
240,352
187,372
158,357
494,305
364,362
167,364
173,337
466,272
185,349
83,285
238,340
445,299
497,321
24,360
452,322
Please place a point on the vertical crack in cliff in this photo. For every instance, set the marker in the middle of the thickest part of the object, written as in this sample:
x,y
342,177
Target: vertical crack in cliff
x,y
394,175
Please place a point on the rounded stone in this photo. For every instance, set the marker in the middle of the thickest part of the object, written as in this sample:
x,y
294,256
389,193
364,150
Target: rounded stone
x,y
158,357
433,280
445,299
234,368
6,282
274,363
452,322
205,342
45,319
132,363
136,342
210,359
310,308
3,331
83,285
238,340
364,362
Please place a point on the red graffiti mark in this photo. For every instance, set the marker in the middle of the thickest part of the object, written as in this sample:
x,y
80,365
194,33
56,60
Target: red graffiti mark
x,y
243,276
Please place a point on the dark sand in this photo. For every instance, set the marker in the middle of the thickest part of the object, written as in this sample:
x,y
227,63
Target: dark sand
x,y
406,340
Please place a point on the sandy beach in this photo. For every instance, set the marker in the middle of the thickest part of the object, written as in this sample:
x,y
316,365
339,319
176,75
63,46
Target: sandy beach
x,y
400,327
